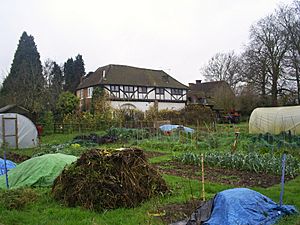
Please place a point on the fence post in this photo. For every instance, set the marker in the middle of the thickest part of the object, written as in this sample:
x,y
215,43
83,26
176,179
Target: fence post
x,y
282,179
202,169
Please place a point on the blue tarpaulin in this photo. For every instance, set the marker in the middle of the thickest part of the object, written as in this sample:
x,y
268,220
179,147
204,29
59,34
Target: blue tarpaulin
x,y
170,127
9,165
245,206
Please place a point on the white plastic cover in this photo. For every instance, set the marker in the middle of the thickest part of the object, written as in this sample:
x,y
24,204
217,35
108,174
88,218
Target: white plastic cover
x,y
275,120
27,132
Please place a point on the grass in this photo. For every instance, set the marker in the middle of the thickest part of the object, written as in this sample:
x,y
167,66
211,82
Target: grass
x,y
291,197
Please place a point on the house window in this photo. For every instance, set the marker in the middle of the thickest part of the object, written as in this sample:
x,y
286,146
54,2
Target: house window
x,y
175,91
115,91
128,88
90,92
142,89
114,88
159,91
203,101
81,93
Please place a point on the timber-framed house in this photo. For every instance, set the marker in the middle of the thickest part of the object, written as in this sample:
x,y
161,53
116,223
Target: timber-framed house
x,y
134,88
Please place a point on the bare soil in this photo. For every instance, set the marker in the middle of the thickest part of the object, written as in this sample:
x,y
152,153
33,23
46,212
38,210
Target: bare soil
x,y
178,212
233,177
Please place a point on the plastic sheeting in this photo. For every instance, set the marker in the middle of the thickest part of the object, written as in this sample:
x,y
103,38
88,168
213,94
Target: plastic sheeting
x,y
275,120
244,206
170,127
39,171
27,132
9,165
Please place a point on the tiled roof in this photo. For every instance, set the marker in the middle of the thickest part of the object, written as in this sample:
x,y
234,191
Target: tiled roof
x,y
207,89
128,75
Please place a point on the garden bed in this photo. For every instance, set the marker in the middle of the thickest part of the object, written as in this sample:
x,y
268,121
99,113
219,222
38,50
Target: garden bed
x,y
233,177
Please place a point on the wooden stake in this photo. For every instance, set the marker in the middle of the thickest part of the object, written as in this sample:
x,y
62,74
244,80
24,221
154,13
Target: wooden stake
x,y
202,165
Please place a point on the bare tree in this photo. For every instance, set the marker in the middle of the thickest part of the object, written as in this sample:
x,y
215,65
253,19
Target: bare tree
x,y
223,66
254,72
269,39
289,19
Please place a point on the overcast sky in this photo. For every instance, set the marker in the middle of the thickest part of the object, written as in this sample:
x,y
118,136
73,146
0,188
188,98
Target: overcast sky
x,y
177,36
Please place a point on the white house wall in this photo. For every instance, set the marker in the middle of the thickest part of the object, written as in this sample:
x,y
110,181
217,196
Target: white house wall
x,y
143,106
170,105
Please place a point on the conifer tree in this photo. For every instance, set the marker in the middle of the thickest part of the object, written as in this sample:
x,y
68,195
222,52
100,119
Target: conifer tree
x,y
73,71
24,84
68,74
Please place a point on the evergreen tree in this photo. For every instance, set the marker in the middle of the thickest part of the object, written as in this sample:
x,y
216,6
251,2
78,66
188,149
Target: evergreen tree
x,y
68,74
24,85
73,71
56,80
79,66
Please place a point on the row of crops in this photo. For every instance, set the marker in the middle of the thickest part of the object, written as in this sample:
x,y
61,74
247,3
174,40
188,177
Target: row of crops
x,y
259,163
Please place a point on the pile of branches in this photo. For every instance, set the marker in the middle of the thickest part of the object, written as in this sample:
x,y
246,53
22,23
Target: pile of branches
x,y
97,139
102,179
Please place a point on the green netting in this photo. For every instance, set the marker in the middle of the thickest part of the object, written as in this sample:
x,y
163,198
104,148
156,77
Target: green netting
x,y
38,171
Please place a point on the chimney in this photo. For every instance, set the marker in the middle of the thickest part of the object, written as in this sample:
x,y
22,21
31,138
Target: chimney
x,y
198,81
103,75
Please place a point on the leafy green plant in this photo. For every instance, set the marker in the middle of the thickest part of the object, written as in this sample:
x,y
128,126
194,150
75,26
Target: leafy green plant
x,y
267,163
75,147
67,103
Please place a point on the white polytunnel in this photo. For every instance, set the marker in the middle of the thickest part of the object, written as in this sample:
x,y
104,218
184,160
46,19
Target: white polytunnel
x,y
275,120
17,131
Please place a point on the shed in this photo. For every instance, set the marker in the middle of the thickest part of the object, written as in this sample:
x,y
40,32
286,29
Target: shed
x,y
17,131
275,120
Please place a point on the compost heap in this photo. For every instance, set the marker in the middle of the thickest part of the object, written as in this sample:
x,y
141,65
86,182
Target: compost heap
x,y
102,179
38,171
